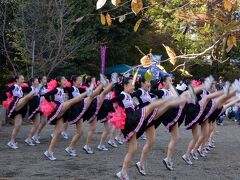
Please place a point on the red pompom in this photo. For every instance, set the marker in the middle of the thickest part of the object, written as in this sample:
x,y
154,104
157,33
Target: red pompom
x,y
51,85
68,84
7,102
47,108
24,85
118,118
8,94
84,87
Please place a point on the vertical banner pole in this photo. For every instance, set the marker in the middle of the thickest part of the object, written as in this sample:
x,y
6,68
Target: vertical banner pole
x,y
103,59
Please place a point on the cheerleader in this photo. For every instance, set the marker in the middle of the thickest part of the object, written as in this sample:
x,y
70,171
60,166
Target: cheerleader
x,y
43,119
91,114
131,121
57,110
223,95
150,132
16,106
80,108
34,110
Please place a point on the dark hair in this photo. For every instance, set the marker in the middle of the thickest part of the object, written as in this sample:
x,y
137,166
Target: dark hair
x,y
119,87
40,78
58,79
31,80
14,79
74,78
138,83
164,78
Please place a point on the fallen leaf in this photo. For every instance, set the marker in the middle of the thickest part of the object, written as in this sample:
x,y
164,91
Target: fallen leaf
x,y
100,4
171,55
234,41
122,18
148,75
136,26
79,19
109,19
185,73
116,2
136,6
103,19
227,5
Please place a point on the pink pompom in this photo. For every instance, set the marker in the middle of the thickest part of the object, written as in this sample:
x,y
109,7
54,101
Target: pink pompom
x,y
24,85
84,87
47,108
68,84
11,84
160,86
8,94
7,102
196,83
118,118
51,85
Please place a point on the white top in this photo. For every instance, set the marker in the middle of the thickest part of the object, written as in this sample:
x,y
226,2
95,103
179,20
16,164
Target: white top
x,y
145,97
75,92
127,101
17,91
60,96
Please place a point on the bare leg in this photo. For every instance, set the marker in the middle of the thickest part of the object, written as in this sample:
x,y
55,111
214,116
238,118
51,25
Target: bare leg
x,y
77,136
23,101
105,133
132,148
35,125
173,142
17,126
42,124
150,133
204,131
194,139
91,131
57,133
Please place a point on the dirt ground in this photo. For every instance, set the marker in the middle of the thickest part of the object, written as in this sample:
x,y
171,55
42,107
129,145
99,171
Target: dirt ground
x,y
29,162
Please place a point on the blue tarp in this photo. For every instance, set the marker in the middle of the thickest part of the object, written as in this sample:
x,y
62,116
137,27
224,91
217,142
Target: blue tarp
x,y
123,68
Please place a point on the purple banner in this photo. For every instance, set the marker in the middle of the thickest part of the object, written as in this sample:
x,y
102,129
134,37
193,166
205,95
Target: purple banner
x,y
103,59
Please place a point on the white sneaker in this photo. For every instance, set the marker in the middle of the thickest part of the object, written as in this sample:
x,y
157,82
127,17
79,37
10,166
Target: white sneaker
x,y
12,145
122,176
90,90
112,143
71,151
103,80
187,159
88,149
201,153
52,135
168,164
64,135
114,78
29,142
49,155
194,155
144,137
141,169
102,148
119,140
36,139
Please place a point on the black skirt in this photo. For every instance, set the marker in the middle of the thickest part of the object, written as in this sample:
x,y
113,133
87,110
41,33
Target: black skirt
x,y
147,123
193,114
106,108
213,117
11,113
53,117
92,111
134,122
170,118
34,107
207,111
77,111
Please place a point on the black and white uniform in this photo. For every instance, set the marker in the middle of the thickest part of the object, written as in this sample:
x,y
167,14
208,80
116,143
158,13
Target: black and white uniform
x,y
77,110
144,99
172,116
16,92
106,107
134,118
34,103
208,109
58,97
